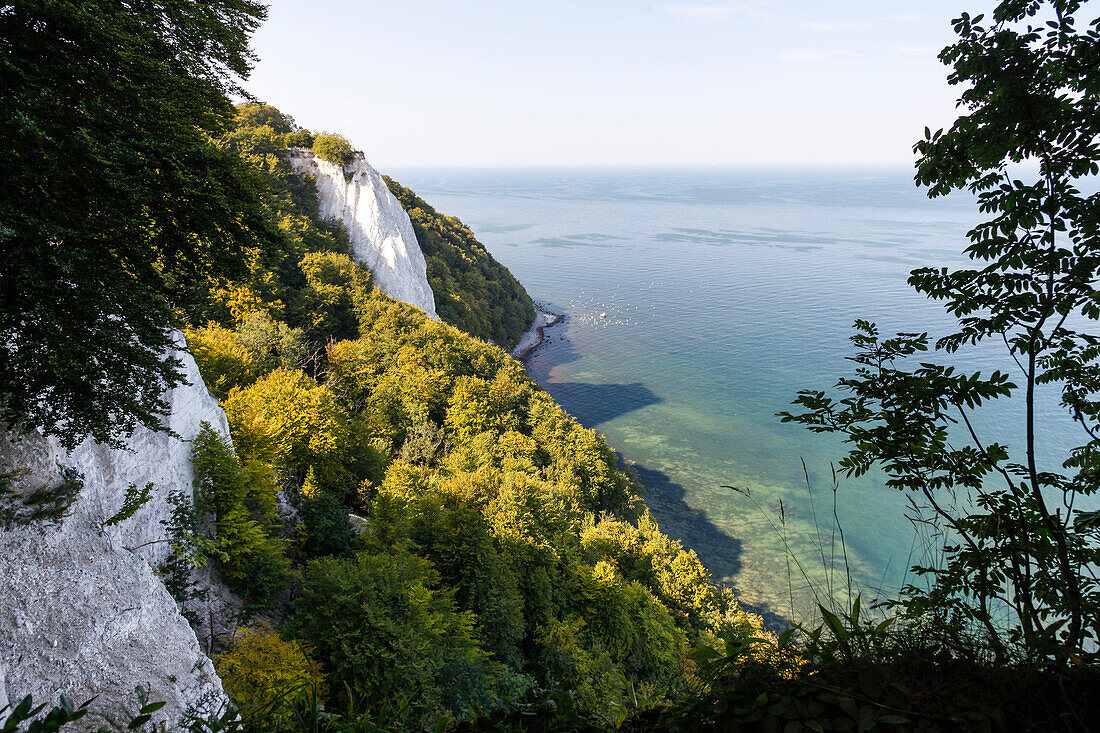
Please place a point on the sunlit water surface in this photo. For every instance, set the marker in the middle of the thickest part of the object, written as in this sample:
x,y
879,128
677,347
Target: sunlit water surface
x,y
725,292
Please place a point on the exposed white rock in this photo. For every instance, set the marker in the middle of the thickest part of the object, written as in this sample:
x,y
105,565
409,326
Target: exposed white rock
x,y
533,337
81,610
381,233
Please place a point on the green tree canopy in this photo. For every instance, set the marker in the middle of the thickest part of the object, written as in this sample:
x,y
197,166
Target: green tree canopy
x,y
116,204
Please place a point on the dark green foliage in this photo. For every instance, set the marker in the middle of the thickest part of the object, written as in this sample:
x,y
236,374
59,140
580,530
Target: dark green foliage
x,y
251,560
134,499
188,546
23,716
459,541
332,147
328,529
862,672
537,710
42,503
115,201
251,114
472,290
1020,542
384,626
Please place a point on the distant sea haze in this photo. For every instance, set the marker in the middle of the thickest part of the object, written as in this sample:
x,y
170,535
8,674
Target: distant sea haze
x,y
725,292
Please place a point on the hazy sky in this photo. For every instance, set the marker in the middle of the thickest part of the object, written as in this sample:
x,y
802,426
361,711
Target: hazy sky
x,y
612,82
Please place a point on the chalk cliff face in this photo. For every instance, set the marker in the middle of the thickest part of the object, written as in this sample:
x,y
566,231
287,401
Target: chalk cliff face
x,y
381,234
81,610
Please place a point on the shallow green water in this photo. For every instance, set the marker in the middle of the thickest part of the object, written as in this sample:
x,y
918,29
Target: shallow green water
x,y
724,293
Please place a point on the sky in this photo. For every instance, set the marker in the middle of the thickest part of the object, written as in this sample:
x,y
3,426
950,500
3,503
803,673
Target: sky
x,y
611,82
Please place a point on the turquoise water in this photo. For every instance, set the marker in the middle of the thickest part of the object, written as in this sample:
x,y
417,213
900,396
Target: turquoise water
x,y
725,292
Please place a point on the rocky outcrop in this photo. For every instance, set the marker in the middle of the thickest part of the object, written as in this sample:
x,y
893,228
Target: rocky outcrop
x,y
382,236
81,610
533,337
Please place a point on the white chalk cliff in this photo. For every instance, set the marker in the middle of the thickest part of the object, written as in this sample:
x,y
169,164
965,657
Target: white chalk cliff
x,y
381,233
81,610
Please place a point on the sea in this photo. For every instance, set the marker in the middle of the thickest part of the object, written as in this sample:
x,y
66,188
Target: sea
x,y
697,303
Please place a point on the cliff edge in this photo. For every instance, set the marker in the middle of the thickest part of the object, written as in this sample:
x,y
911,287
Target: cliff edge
x,y
380,231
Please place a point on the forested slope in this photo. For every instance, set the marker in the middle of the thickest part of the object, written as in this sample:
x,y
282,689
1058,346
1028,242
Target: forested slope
x,y
498,548
472,290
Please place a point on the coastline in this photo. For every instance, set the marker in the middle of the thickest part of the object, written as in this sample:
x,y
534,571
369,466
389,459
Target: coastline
x,y
533,338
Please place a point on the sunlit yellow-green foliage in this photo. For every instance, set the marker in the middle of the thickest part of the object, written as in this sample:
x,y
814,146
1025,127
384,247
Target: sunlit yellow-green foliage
x,y
332,147
335,290
266,674
229,357
291,421
223,361
499,544
472,290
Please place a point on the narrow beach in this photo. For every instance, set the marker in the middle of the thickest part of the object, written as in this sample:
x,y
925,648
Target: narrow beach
x,y
544,318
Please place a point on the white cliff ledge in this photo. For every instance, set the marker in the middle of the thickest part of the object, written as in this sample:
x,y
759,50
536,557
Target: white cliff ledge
x,y
81,610
381,233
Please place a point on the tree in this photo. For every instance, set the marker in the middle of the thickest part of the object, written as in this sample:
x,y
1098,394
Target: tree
x,y
291,421
251,560
1024,539
116,204
326,527
384,626
335,289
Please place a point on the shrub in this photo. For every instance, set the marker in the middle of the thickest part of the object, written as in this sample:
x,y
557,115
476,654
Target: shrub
x,y
332,147
223,362
273,344
384,626
252,562
300,139
327,528
266,674
252,114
